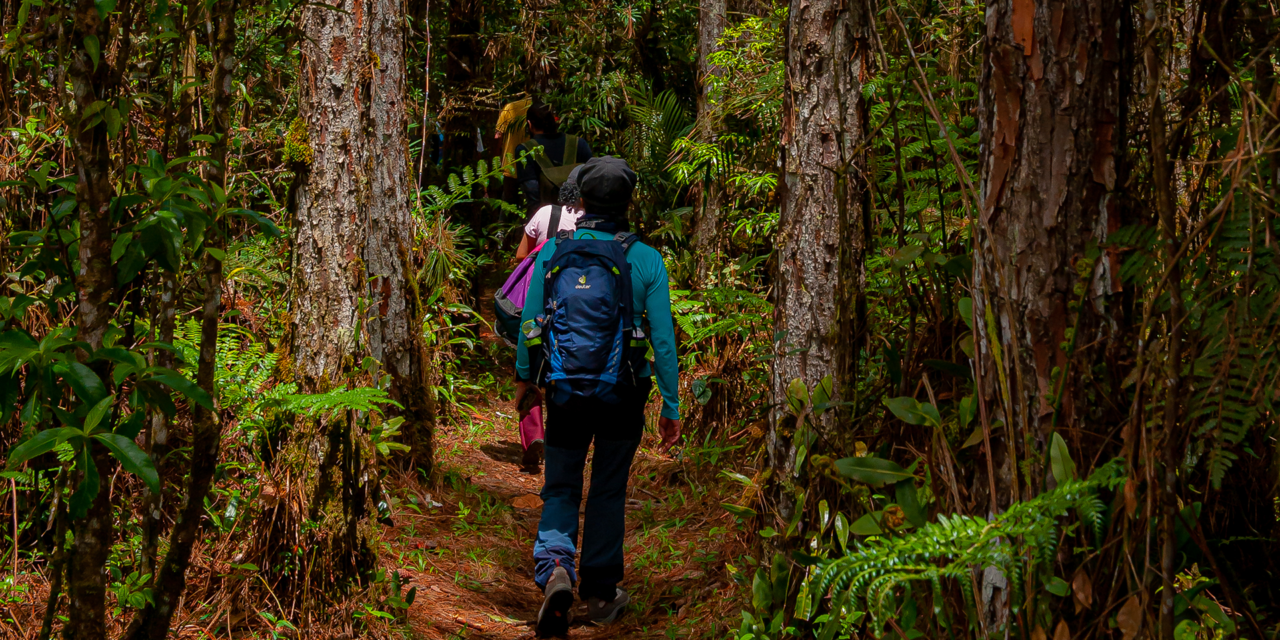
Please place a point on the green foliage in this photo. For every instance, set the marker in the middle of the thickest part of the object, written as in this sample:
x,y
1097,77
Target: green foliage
x,y
657,122
433,200
1230,332
363,399
721,312
63,391
1022,538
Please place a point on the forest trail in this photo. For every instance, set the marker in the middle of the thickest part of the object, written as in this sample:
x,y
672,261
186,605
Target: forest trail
x,y
466,542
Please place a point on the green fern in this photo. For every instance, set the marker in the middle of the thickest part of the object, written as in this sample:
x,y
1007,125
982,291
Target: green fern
x,y
432,200
261,262
722,311
658,121
1231,288
363,399
952,547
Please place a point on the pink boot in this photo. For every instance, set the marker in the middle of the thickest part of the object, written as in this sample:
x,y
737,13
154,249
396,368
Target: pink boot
x,y
531,435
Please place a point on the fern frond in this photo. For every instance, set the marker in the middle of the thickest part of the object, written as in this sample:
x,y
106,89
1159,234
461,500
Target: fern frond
x,y
364,399
951,547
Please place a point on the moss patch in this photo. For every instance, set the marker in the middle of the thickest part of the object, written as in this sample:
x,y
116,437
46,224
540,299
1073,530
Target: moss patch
x,y
297,143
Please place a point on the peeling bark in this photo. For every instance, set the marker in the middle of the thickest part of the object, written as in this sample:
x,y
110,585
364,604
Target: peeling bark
x,y
821,231
1048,118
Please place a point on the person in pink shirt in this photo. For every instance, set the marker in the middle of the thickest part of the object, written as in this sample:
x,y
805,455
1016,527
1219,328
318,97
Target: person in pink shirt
x,y
536,232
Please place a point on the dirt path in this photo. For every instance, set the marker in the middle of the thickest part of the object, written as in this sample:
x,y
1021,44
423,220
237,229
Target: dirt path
x,y
466,542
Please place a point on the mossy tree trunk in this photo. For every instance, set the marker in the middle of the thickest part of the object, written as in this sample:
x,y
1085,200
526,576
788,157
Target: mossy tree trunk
x,y
353,290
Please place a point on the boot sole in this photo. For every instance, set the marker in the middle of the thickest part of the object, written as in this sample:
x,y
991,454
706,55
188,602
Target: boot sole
x,y
553,618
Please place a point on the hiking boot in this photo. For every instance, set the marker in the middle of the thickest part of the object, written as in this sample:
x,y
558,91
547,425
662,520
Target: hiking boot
x,y
602,612
532,457
553,617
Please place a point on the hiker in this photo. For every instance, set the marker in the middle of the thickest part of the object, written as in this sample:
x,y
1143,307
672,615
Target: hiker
x,y
610,301
512,131
539,228
510,299
540,177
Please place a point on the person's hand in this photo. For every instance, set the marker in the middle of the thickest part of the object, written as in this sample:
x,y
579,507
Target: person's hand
x,y
670,431
523,389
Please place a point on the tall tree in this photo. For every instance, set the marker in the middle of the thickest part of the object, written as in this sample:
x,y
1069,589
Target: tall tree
x,y
463,57
353,292
92,80
152,622
821,231
1048,119
707,236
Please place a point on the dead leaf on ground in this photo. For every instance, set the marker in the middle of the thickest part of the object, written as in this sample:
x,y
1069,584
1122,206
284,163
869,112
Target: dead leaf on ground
x,y
1039,634
1130,618
1082,588
529,501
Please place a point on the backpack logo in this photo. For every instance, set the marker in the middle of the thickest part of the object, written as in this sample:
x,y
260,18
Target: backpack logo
x,y
582,283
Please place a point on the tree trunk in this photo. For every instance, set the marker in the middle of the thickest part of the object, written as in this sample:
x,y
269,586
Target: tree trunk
x,y
1170,438
354,293
95,284
462,60
395,326
153,621
1048,112
821,231
707,234
166,302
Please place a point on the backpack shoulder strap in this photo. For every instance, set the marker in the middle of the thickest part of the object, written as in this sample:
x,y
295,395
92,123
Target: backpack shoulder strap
x,y
570,150
627,239
564,235
553,226
540,157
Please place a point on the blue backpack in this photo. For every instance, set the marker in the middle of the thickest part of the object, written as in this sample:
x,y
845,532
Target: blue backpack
x,y
589,346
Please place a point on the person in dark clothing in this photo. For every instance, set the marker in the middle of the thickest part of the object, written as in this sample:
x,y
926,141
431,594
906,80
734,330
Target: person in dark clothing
x,y
546,133
575,424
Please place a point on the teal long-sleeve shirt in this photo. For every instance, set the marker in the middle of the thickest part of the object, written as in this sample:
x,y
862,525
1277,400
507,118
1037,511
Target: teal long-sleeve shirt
x,y
651,300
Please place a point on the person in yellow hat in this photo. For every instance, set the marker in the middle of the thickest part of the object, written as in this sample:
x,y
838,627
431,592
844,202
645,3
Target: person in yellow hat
x,y
511,129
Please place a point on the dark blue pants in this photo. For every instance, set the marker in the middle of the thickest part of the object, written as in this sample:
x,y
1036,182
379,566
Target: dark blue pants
x,y
571,429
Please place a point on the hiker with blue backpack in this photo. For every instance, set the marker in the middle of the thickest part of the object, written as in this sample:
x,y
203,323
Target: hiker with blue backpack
x,y
598,300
